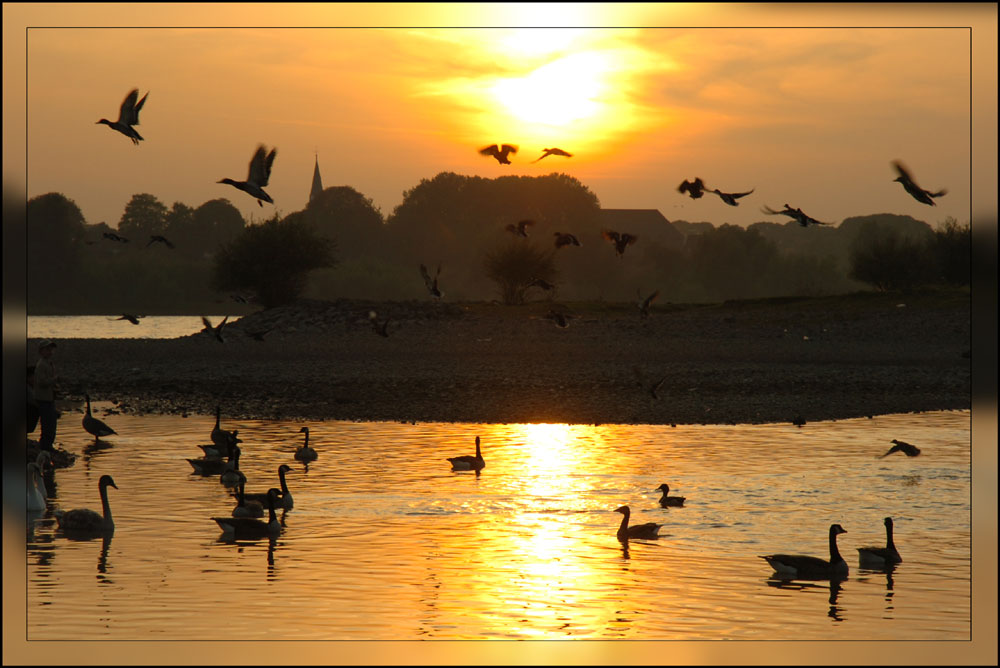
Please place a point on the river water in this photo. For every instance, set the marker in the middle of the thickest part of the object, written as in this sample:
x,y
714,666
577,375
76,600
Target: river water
x,y
386,542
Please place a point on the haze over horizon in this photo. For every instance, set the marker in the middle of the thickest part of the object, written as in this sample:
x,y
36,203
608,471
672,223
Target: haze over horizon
x,y
809,117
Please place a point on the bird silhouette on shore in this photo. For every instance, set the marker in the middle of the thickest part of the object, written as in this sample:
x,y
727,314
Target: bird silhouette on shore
x,y
694,188
621,241
154,238
115,237
379,327
800,217
646,303
565,239
521,229
432,285
134,319
258,175
499,152
553,151
918,193
905,448
128,115
730,198
215,330
560,319
645,385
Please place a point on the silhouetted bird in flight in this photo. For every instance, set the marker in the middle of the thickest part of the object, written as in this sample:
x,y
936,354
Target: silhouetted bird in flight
x,y
645,304
499,152
553,151
906,448
541,283
730,198
257,178
694,188
380,328
565,239
521,229
134,319
114,237
645,385
432,285
916,191
240,299
128,116
215,331
621,241
153,238
801,218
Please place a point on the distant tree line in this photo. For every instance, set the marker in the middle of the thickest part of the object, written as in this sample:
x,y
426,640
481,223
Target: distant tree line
x,y
341,245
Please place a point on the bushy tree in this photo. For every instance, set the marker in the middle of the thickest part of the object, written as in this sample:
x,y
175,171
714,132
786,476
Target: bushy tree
x,y
890,261
216,222
515,266
733,262
953,250
272,260
144,215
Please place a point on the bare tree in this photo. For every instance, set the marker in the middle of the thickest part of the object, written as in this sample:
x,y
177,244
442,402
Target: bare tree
x,y
518,267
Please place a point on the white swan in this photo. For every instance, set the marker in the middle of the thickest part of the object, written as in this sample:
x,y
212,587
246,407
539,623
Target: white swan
x,y
36,499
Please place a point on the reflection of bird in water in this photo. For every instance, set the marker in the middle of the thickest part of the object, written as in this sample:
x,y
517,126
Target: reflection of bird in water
x,y
85,521
499,152
94,426
553,151
468,462
621,241
380,328
918,193
880,557
216,330
134,319
305,453
667,500
694,188
647,530
115,237
645,304
811,568
521,229
284,497
646,386
250,527
801,218
128,115
153,238
258,175
432,285
905,448
565,239
730,198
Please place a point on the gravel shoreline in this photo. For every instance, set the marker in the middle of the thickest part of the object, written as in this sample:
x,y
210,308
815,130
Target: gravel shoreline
x,y
739,362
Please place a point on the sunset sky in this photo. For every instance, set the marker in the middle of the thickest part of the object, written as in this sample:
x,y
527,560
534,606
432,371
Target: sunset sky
x,y
809,116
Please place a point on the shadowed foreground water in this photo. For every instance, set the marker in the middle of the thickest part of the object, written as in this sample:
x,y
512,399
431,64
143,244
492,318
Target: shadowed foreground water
x,y
386,542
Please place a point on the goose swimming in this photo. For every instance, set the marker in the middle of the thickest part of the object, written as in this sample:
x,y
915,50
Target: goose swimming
x,y
468,462
305,453
811,568
648,530
128,115
499,152
246,508
94,426
902,446
880,557
918,193
258,175
231,476
249,527
213,465
670,501
214,451
284,497
84,521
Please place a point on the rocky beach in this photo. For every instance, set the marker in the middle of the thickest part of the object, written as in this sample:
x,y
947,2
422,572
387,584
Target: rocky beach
x,y
776,360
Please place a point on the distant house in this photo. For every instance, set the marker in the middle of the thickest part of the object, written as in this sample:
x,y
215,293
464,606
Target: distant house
x,y
646,224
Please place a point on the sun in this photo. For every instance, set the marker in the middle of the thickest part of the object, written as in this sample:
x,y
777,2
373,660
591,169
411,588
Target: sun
x,y
558,93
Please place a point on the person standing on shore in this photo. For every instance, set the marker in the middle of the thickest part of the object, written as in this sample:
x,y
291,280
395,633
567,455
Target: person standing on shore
x,y
45,382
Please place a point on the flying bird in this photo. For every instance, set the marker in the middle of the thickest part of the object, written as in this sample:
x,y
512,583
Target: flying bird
x,y
694,188
128,116
553,151
621,241
901,446
153,238
521,229
499,152
911,187
380,328
432,285
216,331
565,239
114,237
645,304
730,198
134,319
801,218
257,178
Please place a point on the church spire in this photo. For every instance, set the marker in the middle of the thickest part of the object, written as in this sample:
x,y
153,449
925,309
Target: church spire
x,y
317,185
